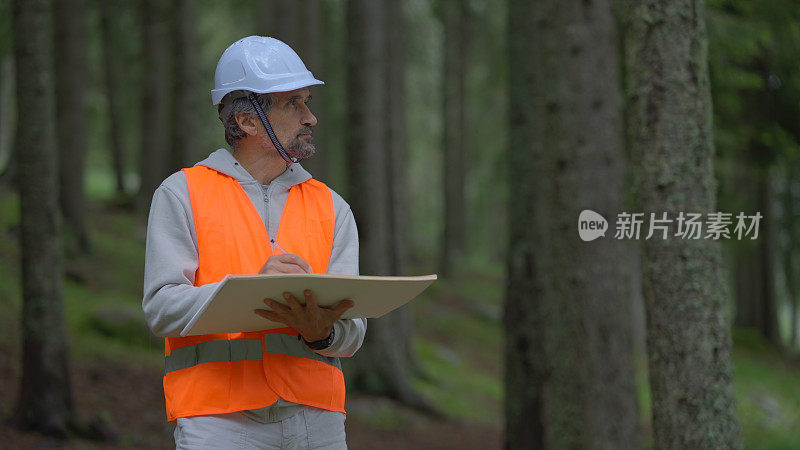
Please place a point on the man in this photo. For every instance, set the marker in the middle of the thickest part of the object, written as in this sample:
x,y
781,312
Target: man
x,y
253,210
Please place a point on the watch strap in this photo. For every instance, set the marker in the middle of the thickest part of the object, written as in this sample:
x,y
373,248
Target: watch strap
x,y
322,343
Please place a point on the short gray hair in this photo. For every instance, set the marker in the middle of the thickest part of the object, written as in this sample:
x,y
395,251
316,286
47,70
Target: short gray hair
x,y
234,103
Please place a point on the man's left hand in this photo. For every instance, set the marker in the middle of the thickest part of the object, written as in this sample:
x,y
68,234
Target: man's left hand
x,y
312,321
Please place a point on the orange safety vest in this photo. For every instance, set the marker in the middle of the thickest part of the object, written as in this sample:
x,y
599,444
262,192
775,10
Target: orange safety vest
x,y
222,373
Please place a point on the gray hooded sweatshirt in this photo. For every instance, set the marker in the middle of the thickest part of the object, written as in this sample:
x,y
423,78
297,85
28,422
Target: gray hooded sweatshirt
x,y
171,260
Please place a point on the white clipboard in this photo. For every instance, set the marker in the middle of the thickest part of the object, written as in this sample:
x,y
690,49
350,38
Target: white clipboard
x,y
230,309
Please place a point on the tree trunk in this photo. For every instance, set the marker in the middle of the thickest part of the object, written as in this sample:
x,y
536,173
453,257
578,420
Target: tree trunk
x,y
688,335
453,17
110,80
380,366
397,170
309,47
580,296
767,298
278,19
183,126
756,299
153,162
70,88
7,123
746,290
45,400
790,250
525,369
590,388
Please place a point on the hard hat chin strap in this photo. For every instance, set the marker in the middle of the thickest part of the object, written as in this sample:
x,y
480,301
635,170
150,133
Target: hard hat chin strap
x,y
270,132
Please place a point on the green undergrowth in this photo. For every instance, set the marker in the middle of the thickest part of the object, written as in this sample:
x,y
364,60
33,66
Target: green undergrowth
x,y
458,325
102,290
767,387
103,300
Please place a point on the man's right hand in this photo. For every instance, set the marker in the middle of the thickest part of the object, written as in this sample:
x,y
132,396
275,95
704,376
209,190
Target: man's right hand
x,y
285,263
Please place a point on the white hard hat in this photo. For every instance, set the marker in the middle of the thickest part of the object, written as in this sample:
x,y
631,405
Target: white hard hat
x,y
260,64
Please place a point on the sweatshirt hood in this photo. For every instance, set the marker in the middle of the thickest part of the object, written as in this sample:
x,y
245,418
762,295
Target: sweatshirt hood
x,y
222,160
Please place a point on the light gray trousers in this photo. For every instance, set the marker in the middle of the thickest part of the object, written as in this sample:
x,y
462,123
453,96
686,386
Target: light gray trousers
x,y
308,428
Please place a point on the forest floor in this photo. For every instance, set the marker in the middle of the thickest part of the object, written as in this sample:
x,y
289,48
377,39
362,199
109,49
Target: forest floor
x,y
124,399
116,365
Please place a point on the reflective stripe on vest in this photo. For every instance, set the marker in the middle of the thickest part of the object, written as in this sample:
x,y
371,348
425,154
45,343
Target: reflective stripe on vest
x,y
216,374
241,350
213,351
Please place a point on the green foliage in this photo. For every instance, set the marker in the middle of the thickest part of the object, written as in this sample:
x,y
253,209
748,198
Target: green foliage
x,y
753,48
753,59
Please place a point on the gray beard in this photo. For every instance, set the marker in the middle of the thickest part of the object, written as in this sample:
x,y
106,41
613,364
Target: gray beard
x,y
297,149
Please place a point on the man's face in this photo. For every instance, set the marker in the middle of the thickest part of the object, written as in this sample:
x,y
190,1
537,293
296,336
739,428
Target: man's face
x,y
292,122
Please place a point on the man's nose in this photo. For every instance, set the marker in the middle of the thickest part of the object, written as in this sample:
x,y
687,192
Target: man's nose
x,y
309,119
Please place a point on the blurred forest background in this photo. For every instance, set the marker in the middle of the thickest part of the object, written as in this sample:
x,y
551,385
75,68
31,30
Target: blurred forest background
x,y
467,136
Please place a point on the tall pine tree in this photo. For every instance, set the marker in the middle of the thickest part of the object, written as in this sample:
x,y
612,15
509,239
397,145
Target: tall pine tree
x,y
45,399
70,88
685,293
568,307
382,364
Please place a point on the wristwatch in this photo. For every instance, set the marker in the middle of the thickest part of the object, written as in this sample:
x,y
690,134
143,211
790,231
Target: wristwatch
x,y
322,343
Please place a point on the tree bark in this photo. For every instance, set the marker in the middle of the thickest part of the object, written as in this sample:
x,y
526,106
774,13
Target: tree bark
x,y
747,286
746,282
789,251
397,170
278,19
756,298
45,400
184,128
453,16
580,295
688,335
70,88
767,298
309,47
380,366
110,81
7,123
525,369
153,162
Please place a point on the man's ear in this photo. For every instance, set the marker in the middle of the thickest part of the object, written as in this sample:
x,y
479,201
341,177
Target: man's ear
x,y
247,123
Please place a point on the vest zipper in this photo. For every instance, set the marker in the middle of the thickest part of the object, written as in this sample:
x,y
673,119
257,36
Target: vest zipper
x,y
266,204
